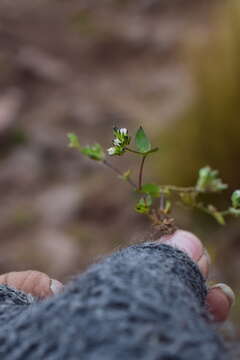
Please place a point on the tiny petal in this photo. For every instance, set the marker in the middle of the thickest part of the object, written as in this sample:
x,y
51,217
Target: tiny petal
x,y
117,142
123,131
111,151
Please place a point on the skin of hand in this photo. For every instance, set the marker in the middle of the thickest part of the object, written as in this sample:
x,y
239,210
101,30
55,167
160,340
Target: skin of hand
x,y
220,297
219,300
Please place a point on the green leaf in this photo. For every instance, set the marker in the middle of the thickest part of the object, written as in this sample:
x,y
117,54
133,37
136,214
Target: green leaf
x,y
126,175
94,152
151,189
188,199
142,142
208,180
236,199
153,150
234,211
73,141
168,207
144,205
218,216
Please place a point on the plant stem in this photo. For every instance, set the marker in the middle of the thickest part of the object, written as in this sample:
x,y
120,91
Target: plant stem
x,y
178,188
226,212
201,207
133,151
141,173
141,153
189,189
118,172
162,201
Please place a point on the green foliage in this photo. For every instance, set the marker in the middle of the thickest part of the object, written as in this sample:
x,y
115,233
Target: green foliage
x,y
120,142
236,199
144,205
218,216
168,207
234,212
151,189
142,142
188,198
208,181
94,152
73,141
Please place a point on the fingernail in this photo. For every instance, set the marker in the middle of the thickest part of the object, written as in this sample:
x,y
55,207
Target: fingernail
x,y
205,252
204,264
55,286
227,291
186,242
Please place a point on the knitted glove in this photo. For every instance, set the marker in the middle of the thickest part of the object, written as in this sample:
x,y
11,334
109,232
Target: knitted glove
x,y
143,302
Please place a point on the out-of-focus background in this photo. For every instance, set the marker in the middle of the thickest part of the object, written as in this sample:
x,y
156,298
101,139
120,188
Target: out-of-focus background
x,y
82,66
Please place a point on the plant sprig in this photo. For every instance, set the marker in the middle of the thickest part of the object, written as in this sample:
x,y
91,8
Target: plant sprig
x,y
208,181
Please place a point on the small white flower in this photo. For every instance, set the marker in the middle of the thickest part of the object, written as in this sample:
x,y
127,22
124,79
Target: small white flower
x,y
117,142
123,131
111,151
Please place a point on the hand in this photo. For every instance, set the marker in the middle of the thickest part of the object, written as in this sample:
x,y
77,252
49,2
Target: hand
x,y
32,282
219,299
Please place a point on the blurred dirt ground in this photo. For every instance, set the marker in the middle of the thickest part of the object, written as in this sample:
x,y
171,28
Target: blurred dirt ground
x,y
81,66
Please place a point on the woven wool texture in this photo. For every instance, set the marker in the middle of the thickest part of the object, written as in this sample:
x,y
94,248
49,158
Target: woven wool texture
x,y
143,302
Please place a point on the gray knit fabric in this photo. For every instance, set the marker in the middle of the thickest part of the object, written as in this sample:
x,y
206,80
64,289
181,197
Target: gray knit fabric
x,y
144,302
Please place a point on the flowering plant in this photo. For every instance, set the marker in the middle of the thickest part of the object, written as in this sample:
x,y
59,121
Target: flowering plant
x,y
154,200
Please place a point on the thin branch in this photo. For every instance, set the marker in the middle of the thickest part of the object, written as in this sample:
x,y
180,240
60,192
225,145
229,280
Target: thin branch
x,y
226,212
189,189
141,173
141,153
203,208
162,201
118,172
133,151
178,188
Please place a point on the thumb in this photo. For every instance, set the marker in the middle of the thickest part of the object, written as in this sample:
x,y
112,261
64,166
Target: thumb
x,y
32,282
